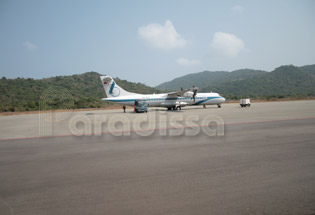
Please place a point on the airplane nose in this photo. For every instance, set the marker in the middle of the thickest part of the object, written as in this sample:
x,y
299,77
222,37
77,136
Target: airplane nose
x,y
223,99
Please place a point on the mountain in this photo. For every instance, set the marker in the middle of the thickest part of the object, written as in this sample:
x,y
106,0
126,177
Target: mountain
x,y
284,81
308,68
208,78
86,89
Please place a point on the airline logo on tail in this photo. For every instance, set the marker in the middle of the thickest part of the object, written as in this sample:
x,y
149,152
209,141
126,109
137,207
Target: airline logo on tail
x,y
113,91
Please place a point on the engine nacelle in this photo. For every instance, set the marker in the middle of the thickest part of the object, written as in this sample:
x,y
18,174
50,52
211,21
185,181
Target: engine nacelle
x,y
188,94
181,104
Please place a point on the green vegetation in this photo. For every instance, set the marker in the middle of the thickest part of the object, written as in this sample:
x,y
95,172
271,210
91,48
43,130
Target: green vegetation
x,y
77,91
207,78
284,82
86,90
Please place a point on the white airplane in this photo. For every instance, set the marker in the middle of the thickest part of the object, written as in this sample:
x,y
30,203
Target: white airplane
x,y
172,100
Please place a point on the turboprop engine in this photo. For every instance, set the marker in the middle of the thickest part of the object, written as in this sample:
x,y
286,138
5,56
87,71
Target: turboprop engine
x,y
189,94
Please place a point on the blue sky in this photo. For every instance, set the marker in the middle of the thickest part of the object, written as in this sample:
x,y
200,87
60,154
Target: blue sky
x,y
152,41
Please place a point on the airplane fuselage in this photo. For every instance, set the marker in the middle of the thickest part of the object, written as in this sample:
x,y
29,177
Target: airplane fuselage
x,y
163,100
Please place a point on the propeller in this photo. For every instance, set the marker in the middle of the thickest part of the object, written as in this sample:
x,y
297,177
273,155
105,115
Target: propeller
x,y
194,89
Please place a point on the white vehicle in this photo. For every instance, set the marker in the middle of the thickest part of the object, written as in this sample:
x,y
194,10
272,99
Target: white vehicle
x,y
173,100
245,102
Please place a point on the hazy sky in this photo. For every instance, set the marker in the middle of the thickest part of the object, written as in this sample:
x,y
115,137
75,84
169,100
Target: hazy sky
x,y
152,41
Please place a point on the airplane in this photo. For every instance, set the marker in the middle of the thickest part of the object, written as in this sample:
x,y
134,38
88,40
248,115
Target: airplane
x,y
171,101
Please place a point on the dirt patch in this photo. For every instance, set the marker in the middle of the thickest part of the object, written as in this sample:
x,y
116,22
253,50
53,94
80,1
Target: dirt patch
x,y
111,107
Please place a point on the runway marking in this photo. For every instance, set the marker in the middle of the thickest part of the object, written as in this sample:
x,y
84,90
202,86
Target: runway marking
x,y
156,129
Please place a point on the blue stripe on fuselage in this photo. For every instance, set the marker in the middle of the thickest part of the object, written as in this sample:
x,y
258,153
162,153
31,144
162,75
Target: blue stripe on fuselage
x,y
151,99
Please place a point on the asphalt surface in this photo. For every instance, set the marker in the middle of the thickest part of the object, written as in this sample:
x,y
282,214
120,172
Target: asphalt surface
x,y
264,163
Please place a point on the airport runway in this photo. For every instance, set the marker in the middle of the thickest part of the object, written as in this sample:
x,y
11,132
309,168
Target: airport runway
x,y
263,164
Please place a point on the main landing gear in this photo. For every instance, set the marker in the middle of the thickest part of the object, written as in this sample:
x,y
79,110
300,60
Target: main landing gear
x,y
174,108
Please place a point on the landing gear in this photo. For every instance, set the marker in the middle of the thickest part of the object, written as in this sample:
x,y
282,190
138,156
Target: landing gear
x,y
174,108
204,106
171,108
219,105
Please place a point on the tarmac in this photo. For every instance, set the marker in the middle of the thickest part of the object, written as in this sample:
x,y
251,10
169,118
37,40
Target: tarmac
x,y
229,160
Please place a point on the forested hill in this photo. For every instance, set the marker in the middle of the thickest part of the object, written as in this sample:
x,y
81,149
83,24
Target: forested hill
x,y
86,89
208,78
284,81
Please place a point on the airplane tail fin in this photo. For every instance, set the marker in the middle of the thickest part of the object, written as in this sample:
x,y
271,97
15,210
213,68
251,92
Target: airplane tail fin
x,y
112,89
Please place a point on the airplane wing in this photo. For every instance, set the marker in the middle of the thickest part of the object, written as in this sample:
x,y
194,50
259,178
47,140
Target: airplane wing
x,y
177,94
183,93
